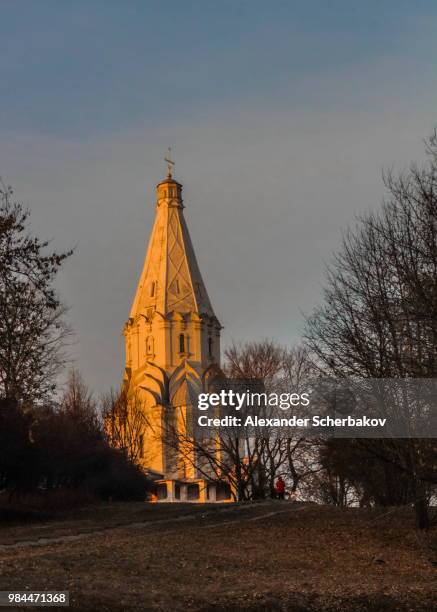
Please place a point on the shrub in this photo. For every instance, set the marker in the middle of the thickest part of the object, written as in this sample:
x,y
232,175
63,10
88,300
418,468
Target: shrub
x,y
58,454
118,479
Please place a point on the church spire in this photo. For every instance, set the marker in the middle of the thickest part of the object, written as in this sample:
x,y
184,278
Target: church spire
x,y
171,279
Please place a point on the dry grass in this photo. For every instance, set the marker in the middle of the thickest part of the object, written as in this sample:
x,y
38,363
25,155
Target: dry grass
x,y
302,558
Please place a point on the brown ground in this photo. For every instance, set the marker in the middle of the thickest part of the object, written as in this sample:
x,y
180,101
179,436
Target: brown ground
x,y
270,556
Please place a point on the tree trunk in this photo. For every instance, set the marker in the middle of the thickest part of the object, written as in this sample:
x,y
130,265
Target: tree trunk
x,y
421,506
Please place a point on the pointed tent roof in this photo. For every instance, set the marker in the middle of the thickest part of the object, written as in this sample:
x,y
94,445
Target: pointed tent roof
x,y
171,279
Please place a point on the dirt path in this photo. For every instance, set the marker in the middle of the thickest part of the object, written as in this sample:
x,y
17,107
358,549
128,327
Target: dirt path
x,y
255,518
150,522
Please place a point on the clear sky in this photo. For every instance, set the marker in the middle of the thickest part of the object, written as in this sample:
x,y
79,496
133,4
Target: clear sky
x,y
280,114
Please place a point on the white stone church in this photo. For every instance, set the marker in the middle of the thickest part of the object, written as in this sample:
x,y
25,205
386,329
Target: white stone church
x,y
172,345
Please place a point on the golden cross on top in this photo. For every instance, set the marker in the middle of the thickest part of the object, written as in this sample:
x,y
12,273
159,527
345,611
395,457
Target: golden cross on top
x,y
170,164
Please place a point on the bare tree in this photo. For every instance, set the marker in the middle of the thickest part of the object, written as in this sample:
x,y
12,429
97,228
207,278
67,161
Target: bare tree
x,y
282,370
32,330
78,402
297,372
260,456
222,456
254,360
261,361
249,461
379,315
126,423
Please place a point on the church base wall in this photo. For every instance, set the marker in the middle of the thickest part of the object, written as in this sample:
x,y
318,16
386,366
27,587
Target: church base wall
x,y
196,491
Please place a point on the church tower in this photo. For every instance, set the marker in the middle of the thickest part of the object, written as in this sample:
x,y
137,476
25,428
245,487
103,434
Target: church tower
x,y
172,345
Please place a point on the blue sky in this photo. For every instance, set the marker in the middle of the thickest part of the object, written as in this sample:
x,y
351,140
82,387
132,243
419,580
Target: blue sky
x,y
281,116
80,68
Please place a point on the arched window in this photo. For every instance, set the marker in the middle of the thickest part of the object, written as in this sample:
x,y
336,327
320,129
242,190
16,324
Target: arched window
x,y
152,289
210,346
181,343
149,345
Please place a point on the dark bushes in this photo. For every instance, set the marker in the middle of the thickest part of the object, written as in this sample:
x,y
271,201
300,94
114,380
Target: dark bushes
x,y
48,450
119,480
18,461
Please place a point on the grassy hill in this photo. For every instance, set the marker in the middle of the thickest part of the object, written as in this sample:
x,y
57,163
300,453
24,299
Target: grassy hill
x,y
268,556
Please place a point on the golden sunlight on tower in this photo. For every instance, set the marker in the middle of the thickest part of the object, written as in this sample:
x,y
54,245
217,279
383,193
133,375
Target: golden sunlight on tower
x,y
172,348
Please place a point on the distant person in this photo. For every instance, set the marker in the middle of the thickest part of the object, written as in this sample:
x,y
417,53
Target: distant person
x,y
280,488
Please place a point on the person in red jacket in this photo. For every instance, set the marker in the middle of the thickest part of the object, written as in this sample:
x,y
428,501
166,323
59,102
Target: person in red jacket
x,y
280,488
